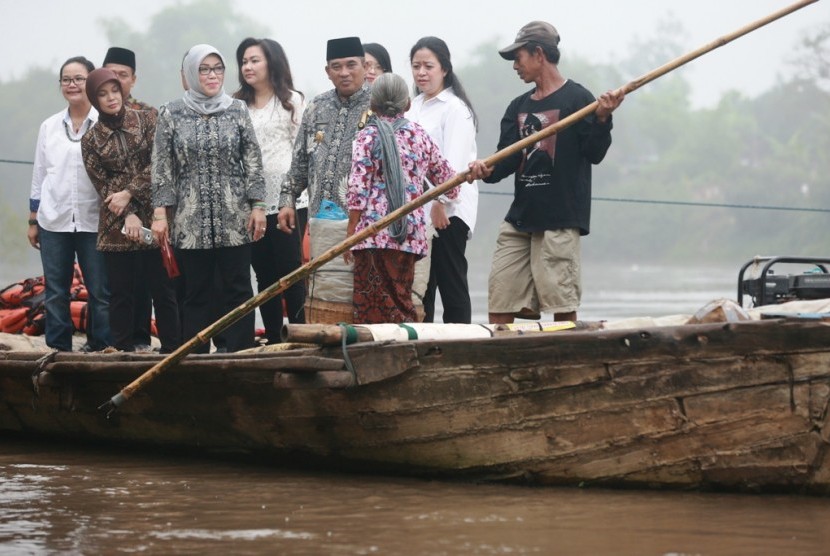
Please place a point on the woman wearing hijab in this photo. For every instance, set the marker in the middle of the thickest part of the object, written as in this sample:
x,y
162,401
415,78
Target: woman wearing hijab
x,y
276,108
117,152
208,193
391,158
63,219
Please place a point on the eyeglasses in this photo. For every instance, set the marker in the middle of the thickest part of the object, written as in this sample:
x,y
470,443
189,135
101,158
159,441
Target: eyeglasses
x,y
371,66
66,81
218,70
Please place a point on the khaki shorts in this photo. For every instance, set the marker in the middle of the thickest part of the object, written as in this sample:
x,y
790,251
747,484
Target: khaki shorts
x,y
539,271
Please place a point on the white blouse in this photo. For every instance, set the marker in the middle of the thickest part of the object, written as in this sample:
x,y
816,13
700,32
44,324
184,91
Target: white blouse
x,y
68,202
450,124
276,130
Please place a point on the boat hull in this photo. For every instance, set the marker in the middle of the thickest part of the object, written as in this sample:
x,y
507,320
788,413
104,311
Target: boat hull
x,y
740,406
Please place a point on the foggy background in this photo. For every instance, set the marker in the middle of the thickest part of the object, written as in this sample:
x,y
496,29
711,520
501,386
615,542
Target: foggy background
x,y
43,33
707,164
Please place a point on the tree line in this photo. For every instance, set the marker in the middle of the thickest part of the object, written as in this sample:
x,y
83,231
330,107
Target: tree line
x,y
679,183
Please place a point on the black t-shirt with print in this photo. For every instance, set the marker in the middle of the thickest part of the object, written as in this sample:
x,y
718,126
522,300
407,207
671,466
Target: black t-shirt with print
x,y
553,177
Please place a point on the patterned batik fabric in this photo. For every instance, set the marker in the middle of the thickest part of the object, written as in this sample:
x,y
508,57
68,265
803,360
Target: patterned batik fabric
x,y
118,160
383,286
136,104
209,168
421,160
322,154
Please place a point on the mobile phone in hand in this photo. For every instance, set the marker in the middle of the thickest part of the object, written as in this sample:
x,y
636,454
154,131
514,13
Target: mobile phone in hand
x,y
146,234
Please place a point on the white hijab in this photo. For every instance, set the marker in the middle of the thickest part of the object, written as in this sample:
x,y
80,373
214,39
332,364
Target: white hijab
x,y
194,97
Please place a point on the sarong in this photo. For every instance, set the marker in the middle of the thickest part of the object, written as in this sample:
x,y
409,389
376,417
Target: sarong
x,y
383,286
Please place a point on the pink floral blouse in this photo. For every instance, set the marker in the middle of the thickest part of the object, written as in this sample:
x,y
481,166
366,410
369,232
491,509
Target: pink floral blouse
x,y
421,160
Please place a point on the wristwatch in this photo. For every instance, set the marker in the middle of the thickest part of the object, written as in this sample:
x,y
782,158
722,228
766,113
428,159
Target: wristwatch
x,y
32,221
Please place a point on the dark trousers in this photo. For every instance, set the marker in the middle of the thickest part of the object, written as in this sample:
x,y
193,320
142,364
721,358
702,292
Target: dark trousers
x,y
302,221
143,311
201,300
448,274
125,270
274,256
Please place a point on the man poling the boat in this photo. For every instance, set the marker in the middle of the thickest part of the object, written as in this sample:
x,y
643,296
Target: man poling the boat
x,y
536,266
117,400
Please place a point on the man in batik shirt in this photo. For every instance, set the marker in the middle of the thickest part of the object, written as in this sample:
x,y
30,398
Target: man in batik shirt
x,y
323,148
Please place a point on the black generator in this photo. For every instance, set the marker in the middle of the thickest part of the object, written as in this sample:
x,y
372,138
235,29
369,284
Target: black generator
x,y
768,288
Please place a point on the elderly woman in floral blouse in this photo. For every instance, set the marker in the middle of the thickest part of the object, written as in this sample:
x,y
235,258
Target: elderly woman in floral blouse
x,y
391,158
208,190
116,152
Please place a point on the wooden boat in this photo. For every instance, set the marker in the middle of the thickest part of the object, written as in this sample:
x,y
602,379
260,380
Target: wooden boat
x,y
740,406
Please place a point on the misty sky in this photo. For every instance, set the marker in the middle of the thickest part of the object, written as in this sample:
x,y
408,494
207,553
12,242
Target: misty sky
x,y
46,32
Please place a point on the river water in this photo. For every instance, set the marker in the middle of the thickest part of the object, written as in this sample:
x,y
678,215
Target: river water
x,y
67,500
58,499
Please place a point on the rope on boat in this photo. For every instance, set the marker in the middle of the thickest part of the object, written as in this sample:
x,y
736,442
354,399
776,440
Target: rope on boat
x,y
39,368
349,333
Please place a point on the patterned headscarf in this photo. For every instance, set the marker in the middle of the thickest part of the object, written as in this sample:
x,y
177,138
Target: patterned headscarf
x,y
195,97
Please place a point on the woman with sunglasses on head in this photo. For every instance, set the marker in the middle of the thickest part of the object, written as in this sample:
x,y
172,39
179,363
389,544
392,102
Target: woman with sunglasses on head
x,y
443,109
276,108
117,151
63,219
376,60
208,193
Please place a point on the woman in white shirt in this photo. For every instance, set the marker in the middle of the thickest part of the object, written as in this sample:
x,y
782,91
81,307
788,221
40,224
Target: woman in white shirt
x,y
276,108
443,109
63,219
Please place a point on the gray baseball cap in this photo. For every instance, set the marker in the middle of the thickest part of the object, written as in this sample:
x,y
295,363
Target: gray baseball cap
x,y
535,31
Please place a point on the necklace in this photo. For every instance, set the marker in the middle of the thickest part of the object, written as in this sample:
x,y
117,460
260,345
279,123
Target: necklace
x,y
69,136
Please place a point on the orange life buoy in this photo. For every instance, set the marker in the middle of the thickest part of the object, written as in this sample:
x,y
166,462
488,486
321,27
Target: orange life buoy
x,y
14,320
35,324
78,310
15,294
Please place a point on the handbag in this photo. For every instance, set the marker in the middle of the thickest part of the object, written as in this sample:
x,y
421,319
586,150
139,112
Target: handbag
x,y
169,260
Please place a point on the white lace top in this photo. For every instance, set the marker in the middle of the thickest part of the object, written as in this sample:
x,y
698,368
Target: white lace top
x,y
276,130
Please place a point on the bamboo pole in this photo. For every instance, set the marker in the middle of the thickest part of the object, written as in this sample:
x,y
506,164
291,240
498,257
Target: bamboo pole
x,y
277,288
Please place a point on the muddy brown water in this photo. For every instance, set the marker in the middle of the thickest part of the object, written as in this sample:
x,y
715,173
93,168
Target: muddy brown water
x,y
81,500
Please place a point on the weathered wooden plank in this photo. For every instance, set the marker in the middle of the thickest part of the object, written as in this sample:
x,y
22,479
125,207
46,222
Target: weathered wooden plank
x,y
562,435
375,366
809,366
767,402
313,381
694,443
819,400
